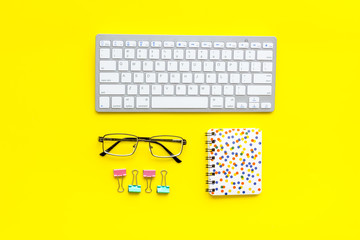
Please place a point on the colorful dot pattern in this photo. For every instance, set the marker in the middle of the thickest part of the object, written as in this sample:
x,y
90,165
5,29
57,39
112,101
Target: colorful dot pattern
x,y
237,158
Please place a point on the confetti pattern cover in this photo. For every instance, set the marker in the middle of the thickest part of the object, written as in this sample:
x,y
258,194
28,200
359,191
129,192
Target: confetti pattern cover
x,y
234,161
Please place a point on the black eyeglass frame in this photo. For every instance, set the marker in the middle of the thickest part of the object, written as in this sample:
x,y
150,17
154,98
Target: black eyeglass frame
x,y
137,139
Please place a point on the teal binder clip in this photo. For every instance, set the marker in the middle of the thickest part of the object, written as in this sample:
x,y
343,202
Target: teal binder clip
x,y
163,188
134,188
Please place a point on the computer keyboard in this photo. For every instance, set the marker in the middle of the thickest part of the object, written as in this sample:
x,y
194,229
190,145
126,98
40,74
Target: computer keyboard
x,y
169,73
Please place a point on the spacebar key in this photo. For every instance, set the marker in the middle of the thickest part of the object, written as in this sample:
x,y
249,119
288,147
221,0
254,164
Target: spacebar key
x,y
180,102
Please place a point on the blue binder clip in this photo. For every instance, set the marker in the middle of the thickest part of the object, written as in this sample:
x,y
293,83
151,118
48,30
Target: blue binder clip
x,y
134,188
163,188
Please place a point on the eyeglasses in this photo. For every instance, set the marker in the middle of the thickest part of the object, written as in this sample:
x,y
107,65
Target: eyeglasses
x,y
161,146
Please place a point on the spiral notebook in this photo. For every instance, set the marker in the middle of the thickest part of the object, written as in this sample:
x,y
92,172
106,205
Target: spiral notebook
x,y
234,161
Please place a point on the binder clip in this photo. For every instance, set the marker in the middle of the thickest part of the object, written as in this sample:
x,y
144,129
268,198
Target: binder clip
x,y
163,188
120,173
134,188
148,174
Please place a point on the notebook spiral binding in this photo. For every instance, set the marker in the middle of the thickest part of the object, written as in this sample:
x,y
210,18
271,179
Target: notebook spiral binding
x,y
209,165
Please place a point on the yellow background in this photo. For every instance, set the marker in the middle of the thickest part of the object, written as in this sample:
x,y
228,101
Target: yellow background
x,y
54,185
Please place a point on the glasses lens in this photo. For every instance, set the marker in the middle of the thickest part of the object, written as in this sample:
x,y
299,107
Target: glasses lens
x,y
166,146
120,144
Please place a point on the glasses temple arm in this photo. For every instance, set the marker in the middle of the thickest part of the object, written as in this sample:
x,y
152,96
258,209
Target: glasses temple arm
x,y
168,151
109,149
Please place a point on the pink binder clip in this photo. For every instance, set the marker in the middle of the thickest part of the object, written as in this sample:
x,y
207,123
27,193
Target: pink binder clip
x,y
120,173
148,174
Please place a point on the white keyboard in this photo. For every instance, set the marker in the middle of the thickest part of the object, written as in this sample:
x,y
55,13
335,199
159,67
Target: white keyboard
x,y
168,73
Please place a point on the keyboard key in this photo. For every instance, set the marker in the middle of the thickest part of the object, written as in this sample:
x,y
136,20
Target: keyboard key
x,y
203,54
190,54
214,54
211,78
206,44
159,66
268,45
250,55
219,45
208,66
142,102
132,89
118,43
241,105
138,77
156,89
234,78
116,102
172,66
223,78
220,66
148,66
254,105
126,77
166,54
168,44
109,77
244,66
228,90
196,66
204,90
261,90
144,44
264,55
129,102
180,89
226,54
163,77
232,67
178,54
240,90
150,78
243,45
107,65
104,102
238,54
123,65
112,89
135,65
104,52
154,54
179,102
265,105
255,45
175,77
193,90
156,44
255,66
187,78
267,66
254,99
130,43
144,90
181,44
199,78
117,53
216,102
184,66
246,78
104,43
141,53
169,90
229,102
216,90
262,78
194,44
231,44
129,53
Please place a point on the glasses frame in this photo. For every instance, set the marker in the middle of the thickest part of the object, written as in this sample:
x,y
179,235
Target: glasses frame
x,y
142,139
